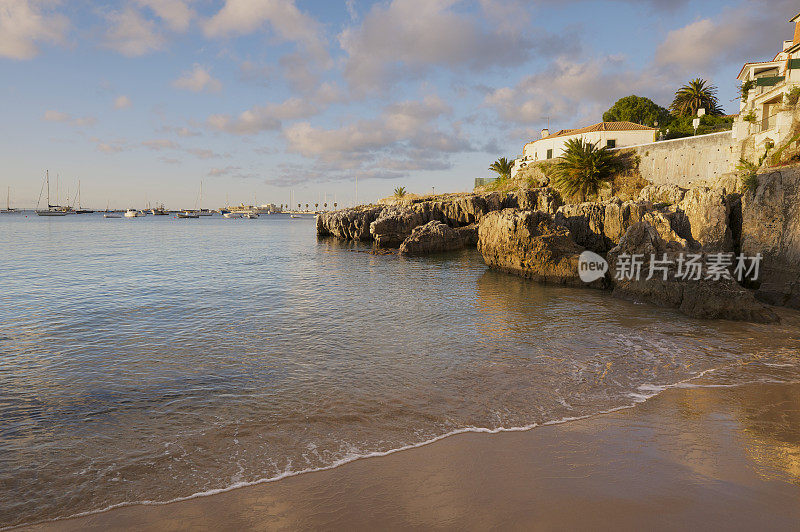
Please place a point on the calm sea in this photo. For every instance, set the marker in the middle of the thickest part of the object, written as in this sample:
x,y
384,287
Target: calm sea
x,y
151,359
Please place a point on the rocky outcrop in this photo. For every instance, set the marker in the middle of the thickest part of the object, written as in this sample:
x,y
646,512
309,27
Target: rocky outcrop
x,y
543,199
771,227
719,298
469,235
700,215
348,224
433,237
395,224
599,226
529,244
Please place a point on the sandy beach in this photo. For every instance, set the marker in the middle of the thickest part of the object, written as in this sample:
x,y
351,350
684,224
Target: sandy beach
x,y
728,457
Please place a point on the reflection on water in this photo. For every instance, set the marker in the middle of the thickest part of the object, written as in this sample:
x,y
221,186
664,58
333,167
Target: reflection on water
x,y
150,359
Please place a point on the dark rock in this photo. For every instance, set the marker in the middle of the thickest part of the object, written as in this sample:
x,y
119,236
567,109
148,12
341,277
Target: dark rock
x,y
771,227
348,224
704,298
433,237
529,244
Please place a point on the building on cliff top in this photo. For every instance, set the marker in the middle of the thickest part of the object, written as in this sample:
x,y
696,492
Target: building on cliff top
x,y
605,134
766,84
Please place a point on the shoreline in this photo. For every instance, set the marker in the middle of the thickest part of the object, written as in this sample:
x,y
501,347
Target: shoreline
x,y
306,496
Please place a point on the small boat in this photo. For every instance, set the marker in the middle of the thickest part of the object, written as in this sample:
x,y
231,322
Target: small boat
x,y
159,211
112,215
205,212
80,209
133,213
295,216
232,215
52,210
251,215
188,214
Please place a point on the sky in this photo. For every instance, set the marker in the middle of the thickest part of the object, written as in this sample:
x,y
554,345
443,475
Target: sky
x,y
333,100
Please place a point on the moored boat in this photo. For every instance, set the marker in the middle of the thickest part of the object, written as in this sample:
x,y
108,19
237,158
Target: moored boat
x,y
133,213
52,210
188,214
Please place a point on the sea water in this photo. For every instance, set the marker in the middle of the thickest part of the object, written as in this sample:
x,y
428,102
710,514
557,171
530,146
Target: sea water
x,y
153,359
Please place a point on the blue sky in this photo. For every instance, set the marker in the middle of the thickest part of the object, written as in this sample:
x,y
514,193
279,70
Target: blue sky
x,y
144,99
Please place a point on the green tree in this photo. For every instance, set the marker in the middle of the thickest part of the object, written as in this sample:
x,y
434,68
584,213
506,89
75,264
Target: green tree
x,y
502,167
399,192
638,110
583,169
697,94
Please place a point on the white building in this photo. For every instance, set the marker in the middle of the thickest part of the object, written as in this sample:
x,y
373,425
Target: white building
x,y
605,134
762,112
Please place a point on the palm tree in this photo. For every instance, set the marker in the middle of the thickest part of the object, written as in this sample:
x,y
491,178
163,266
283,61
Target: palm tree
x,y
502,167
697,94
399,192
583,168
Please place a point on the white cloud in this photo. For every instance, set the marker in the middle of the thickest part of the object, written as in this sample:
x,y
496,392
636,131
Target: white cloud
x,y
176,13
230,171
65,118
239,17
734,36
408,38
183,132
160,144
404,137
122,102
198,80
112,146
567,91
131,34
270,117
24,23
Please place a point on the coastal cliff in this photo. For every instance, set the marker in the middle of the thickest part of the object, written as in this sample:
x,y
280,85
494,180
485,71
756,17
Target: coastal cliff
x,y
534,234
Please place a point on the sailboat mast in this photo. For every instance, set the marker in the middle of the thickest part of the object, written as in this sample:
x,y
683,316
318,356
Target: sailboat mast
x,y
47,173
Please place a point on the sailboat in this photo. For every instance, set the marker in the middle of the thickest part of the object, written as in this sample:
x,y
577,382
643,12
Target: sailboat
x,y
81,210
202,211
8,209
52,210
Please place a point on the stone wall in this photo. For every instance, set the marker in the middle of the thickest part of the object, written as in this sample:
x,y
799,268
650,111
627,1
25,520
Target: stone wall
x,y
691,161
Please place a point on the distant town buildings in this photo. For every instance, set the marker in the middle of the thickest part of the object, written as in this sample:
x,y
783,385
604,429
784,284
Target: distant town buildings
x,y
766,86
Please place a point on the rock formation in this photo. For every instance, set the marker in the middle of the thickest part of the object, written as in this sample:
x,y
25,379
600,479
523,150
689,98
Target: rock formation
x,y
433,237
771,227
530,244
719,298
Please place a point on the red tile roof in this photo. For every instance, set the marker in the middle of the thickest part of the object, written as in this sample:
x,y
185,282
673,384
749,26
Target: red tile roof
x,y
602,126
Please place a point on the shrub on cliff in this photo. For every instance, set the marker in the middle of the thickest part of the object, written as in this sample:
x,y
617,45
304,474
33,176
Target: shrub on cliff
x,y
638,110
583,169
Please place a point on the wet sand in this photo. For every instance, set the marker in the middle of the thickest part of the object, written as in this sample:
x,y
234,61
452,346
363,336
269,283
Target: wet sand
x,y
688,458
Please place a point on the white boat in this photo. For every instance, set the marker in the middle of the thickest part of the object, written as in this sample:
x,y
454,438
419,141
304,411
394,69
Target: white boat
x,y
133,213
52,210
188,214
112,215
295,216
251,215
232,215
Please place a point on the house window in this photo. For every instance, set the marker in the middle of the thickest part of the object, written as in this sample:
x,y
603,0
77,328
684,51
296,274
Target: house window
x,y
549,154
611,143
